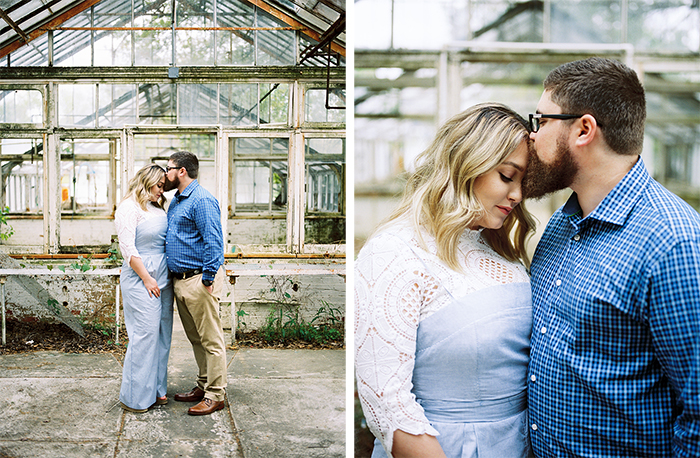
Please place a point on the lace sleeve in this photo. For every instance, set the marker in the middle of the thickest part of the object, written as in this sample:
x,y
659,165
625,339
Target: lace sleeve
x,y
390,287
126,218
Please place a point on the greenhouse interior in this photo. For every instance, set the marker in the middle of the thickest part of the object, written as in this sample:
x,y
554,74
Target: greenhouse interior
x,y
93,90
417,63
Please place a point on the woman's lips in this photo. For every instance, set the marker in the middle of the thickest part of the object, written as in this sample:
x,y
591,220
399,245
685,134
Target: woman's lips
x,y
506,210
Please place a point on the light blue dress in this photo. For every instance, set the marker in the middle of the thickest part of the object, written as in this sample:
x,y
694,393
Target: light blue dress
x,y
470,373
149,320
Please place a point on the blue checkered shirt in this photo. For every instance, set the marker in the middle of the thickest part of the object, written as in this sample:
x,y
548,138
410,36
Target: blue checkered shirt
x,y
615,355
195,239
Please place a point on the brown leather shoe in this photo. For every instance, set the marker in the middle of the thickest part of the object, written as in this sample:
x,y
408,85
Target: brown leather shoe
x,y
206,407
196,395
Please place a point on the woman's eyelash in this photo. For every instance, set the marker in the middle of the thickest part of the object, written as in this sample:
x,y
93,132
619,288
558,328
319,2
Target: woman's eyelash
x,y
505,178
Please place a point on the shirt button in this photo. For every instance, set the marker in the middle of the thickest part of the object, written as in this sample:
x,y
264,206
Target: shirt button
x,y
534,427
558,282
533,378
577,237
543,330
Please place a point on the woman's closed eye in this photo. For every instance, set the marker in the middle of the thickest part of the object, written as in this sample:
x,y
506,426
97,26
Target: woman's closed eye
x,y
506,178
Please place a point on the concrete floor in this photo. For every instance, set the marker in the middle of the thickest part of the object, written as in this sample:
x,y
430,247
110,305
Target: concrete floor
x,y
280,403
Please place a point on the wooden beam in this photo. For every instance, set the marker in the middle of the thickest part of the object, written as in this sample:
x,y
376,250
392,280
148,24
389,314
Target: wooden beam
x,y
60,19
269,9
14,26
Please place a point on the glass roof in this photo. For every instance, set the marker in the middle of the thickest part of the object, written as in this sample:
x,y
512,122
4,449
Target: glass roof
x,y
270,25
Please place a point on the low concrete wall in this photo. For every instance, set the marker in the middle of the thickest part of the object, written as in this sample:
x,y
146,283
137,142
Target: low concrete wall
x,y
93,298
253,295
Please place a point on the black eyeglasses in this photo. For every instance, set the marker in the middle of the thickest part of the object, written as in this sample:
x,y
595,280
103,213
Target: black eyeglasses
x,y
535,119
169,168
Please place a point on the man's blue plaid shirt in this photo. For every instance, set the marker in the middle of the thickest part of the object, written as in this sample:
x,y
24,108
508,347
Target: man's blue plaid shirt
x,y
615,353
194,239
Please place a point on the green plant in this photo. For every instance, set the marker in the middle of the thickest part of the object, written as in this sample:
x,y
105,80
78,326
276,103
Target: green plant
x,y
285,322
240,314
7,232
82,264
114,257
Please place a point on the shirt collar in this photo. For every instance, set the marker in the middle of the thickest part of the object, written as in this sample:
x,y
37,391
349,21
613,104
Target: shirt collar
x,y
620,201
188,190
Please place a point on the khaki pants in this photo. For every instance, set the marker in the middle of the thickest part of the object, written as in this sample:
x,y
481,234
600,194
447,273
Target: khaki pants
x,y
199,312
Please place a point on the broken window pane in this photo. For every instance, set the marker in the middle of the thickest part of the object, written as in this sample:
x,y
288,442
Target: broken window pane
x,y
86,176
22,165
325,174
261,174
157,148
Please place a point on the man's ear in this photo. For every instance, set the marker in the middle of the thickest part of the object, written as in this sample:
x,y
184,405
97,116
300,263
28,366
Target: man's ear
x,y
587,129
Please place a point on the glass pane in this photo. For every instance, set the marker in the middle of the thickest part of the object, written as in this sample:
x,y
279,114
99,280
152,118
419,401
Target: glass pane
x,y
117,105
85,182
71,48
34,55
315,105
576,21
22,175
195,47
235,47
239,104
112,47
263,147
497,20
334,146
76,105
669,26
157,104
197,103
153,47
320,59
21,106
275,47
274,107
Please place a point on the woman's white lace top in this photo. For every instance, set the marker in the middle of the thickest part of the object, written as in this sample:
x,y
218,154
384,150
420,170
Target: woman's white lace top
x,y
394,292
129,214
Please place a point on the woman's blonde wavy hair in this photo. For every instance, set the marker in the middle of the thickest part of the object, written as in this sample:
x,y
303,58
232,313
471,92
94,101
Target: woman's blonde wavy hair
x,y
140,185
439,195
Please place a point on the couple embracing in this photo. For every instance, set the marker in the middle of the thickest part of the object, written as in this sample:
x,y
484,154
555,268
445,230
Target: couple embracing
x,y
176,256
462,351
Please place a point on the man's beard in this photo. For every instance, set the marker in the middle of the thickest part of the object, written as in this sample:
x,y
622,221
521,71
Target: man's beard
x,y
169,185
542,178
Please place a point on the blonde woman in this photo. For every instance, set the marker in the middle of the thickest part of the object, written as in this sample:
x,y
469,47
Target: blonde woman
x,y
443,303
146,289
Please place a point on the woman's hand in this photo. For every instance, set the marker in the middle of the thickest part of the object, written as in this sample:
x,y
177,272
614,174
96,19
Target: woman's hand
x,y
149,282
151,286
410,446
